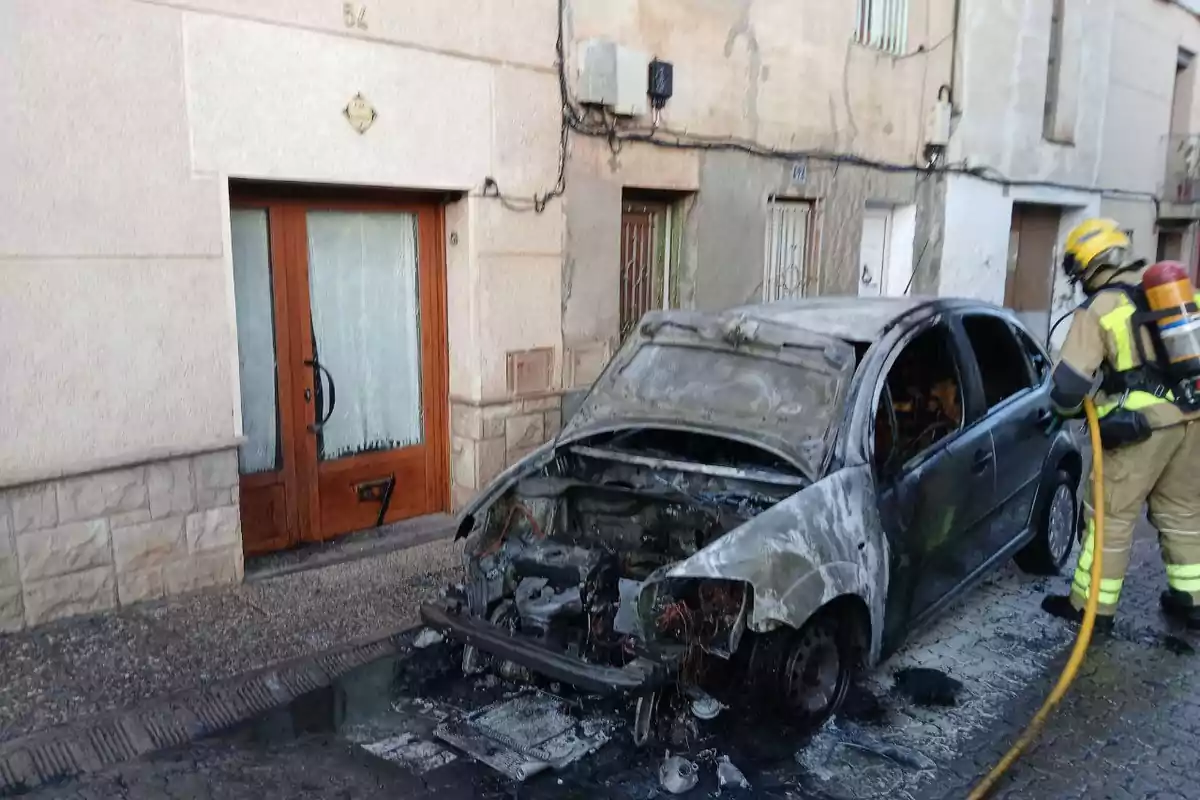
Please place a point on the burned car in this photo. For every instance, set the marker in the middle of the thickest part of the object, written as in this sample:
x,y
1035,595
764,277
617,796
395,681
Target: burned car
x,y
777,493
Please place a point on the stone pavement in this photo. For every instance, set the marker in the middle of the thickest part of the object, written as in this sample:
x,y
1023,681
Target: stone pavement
x,y
1130,728
80,667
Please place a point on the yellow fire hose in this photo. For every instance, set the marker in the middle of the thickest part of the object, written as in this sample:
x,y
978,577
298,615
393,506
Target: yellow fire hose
x,y
1031,732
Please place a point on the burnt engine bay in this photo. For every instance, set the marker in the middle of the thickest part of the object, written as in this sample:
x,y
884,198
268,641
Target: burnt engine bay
x,y
575,557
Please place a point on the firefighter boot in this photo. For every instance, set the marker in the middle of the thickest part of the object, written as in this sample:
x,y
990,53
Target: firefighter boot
x,y
1179,606
1059,605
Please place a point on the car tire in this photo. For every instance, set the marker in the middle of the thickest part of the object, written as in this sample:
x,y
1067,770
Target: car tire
x,y
816,667
1057,523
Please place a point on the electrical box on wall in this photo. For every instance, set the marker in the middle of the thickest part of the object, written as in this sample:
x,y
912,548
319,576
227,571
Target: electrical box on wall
x,y
937,133
613,75
661,79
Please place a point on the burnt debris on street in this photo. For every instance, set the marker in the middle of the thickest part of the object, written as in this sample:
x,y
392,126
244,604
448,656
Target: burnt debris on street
x,y
982,669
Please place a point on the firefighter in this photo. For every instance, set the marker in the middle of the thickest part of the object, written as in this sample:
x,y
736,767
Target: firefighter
x,y
1151,447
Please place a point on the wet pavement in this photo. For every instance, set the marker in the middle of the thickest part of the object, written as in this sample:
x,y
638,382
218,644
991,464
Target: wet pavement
x,y
927,724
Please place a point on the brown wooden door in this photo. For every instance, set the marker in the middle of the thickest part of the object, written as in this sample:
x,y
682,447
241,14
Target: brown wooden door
x,y
357,327
1032,250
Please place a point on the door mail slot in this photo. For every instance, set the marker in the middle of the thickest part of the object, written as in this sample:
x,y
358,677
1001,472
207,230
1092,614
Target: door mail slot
x,y
374,491
377,491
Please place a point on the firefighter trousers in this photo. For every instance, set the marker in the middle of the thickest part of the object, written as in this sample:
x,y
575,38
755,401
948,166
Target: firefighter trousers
x,y
1163,472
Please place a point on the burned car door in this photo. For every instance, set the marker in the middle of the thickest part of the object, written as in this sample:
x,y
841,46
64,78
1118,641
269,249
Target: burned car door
x,y
936,478
1018,410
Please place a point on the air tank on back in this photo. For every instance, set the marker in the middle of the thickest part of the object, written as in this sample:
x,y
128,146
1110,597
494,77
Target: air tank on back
x,y
1169,292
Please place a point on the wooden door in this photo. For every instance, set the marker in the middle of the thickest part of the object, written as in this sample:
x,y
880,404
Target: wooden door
x,y
354,432
1032,262
1170,244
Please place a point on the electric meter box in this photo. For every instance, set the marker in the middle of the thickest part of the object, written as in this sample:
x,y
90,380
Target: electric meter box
x,y
613,76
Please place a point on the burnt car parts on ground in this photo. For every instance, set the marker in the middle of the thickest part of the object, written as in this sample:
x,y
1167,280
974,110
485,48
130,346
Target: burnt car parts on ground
x,y
766,500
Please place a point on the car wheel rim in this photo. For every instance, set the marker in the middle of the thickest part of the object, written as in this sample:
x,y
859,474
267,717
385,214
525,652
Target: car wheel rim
x,y
815,678
1061,522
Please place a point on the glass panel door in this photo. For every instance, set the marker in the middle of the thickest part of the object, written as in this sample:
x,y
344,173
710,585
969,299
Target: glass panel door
x,y
366,332
266,460
256,341
340,302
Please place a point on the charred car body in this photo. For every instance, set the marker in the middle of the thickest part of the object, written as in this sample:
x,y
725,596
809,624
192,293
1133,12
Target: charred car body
x,y
779,492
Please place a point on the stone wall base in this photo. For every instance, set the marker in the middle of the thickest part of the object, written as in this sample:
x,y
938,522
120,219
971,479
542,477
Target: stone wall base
x,y
94,542
487,437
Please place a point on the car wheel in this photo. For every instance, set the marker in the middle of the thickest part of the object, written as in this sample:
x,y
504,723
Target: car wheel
x,y
817,668
1057,523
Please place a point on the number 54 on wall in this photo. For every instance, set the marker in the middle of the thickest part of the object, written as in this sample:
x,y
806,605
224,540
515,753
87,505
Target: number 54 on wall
x,y
354,15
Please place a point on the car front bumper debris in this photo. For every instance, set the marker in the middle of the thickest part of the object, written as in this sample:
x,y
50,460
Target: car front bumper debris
x,y
448,617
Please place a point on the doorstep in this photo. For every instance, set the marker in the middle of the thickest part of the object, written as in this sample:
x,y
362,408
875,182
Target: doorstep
x,y
362,544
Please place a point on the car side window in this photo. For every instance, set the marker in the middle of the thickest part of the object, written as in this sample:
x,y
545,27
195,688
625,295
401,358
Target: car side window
x,y
1001,357
1039,362
925,392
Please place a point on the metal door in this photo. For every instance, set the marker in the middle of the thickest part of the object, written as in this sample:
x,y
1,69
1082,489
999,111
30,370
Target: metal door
x,y
786,270
644,238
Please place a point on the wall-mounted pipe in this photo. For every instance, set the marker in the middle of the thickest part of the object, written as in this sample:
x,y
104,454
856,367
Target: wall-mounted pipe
x,y
956,58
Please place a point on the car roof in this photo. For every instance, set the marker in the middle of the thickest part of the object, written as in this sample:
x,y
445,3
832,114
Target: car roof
x,y
854,319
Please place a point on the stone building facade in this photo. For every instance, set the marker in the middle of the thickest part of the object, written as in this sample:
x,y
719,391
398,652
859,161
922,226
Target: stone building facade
x,y
91,542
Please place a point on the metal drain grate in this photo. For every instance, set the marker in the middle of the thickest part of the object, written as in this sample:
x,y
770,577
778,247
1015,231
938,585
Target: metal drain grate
x,y
75,748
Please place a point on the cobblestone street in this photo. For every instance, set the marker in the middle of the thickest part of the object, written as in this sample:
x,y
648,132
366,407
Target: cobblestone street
x,y
1128,729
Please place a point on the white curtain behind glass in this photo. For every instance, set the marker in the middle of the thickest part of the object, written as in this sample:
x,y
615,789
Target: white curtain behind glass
x,y
256,340
366,322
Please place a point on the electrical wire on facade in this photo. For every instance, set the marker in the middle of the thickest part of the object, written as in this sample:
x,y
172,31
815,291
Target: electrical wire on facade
x,y
575,119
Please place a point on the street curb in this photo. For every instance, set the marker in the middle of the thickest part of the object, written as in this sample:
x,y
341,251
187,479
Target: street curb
x,y
95,743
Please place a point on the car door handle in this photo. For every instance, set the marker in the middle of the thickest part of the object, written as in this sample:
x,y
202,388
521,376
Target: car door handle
x,y
1040,417
983,458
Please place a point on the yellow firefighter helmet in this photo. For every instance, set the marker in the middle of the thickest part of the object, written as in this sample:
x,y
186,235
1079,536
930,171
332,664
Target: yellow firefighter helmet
x,y
1092,244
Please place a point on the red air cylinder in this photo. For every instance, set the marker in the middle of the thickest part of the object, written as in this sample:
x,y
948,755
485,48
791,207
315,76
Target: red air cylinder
x,y
1168,288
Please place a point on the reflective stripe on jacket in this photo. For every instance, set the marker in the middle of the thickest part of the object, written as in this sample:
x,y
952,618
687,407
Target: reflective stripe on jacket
x,y
1102,332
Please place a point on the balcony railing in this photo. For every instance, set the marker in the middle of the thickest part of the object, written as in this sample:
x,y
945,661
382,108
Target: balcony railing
x,y
1183,169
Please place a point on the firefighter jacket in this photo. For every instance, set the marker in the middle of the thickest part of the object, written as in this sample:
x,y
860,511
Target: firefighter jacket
x,y
1102,338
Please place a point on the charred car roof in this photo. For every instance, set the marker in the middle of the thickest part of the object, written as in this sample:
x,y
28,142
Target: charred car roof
x,y
861,320
773,374
852,319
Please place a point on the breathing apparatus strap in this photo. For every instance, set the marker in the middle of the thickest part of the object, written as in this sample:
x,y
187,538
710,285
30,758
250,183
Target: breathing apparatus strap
x,y
1147,378
1150,376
